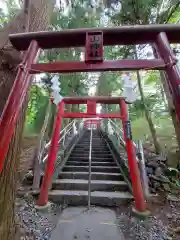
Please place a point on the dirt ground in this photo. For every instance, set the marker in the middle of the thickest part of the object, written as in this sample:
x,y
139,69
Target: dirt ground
x,y
163,224
29,145
169,213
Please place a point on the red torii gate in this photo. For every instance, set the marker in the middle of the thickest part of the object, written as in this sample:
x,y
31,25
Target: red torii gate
x,y
93,123
91,112
93,39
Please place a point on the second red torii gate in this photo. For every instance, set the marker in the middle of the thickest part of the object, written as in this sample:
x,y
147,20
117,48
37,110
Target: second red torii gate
x,y
91,102
91,106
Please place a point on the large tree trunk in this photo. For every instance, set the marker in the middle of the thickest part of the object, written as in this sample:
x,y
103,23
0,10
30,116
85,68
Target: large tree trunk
x,y
40,149
37,18
148,117
8,180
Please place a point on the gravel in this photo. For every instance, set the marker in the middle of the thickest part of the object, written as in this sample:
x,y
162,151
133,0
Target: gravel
x,y
34,224
149,229
162,225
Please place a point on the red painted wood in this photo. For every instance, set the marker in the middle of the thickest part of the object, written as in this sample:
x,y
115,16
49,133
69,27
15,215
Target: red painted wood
x,y
123,35
97,99
43,198
116,65
92,122
86,115
14,103
172,69
139,199
91,107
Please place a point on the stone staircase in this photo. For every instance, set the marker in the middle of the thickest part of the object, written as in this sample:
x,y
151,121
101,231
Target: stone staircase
x,y
108,187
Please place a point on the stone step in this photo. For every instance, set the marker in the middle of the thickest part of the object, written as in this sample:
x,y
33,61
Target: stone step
x,y
93,154
96,185
93,140
96,137
86,163
94,175
87,141
94,145
99,198
100,150
82,168
81,153
93,158
103,145
85,160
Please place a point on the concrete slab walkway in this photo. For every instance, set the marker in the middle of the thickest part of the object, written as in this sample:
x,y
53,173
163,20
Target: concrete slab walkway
x,y
80,223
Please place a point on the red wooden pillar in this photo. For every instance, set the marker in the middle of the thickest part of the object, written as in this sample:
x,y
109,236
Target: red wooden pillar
x,y
43,198
91,107
172,71
99,124
85,124
140,204
15,100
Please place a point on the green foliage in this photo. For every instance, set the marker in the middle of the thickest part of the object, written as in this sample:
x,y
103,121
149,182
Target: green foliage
x,y
3,18
173,175
142,12
38,102
152,78
175,18
8,9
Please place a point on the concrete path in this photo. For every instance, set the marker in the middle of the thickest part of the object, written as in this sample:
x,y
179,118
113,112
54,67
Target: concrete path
x,y
79,223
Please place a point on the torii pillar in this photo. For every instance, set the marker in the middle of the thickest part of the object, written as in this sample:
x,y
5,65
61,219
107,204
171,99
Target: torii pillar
x,y
91,107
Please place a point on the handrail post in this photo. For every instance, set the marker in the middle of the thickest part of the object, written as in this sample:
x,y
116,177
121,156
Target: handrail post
x,y
64,137
89,181
142,166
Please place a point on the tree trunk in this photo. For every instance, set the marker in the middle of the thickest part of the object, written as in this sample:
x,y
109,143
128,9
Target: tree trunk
x,y
39,150
148,117
147,114
38,16
69,109
163,95
51,121
8,183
